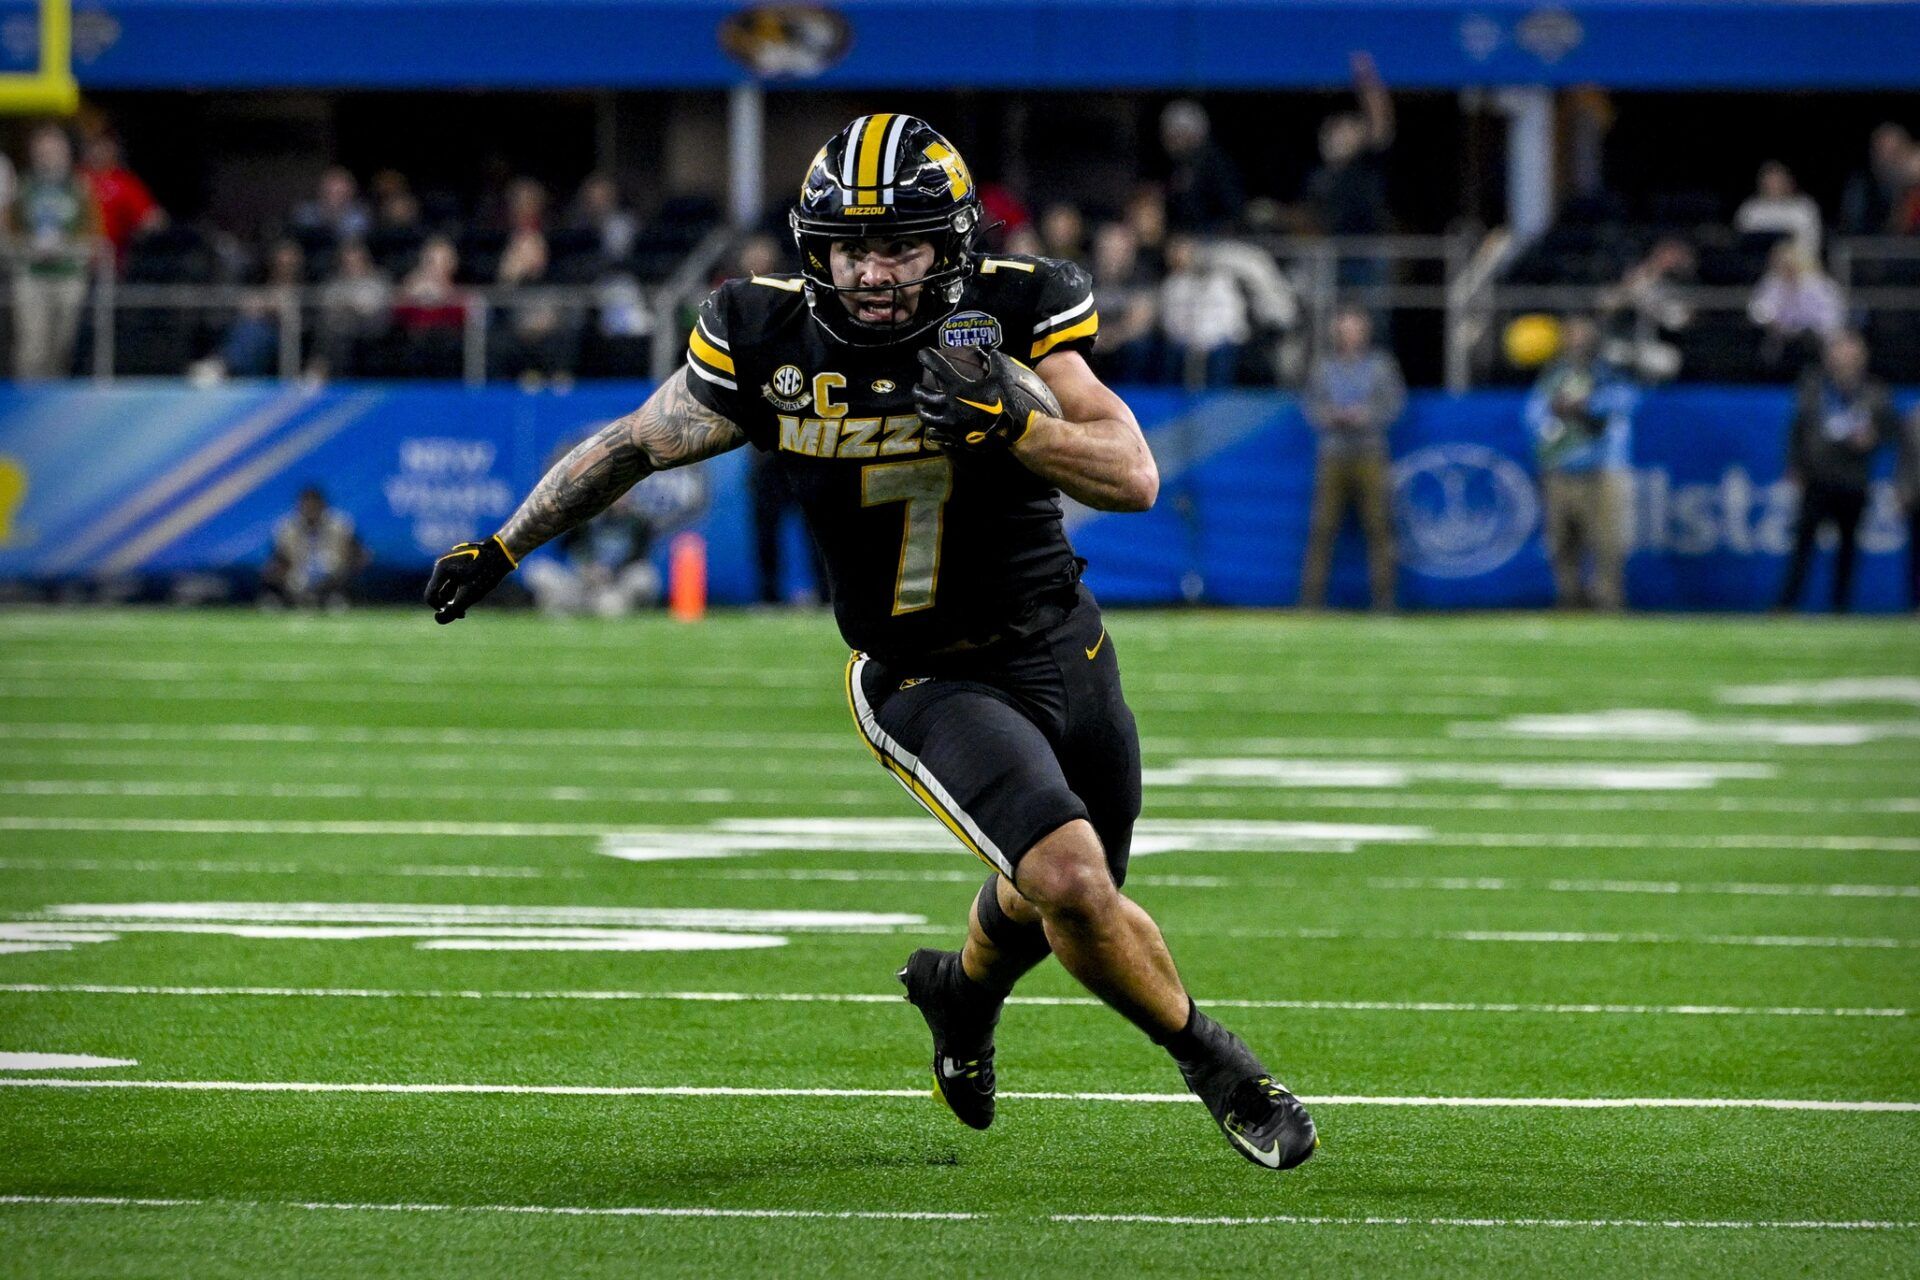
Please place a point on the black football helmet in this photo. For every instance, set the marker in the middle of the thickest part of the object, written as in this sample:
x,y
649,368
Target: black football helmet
x,y
886,175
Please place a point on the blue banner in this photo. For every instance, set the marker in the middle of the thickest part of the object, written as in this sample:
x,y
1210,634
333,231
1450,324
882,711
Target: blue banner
x,y
980,44
145,481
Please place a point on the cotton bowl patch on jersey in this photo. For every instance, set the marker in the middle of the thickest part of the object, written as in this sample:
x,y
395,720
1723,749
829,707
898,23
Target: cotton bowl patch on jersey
x,y
970,329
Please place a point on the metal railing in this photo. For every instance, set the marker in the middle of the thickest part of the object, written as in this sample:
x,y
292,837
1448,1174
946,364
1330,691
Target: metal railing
x,y
1716,340
299,312
1849,256
1454,279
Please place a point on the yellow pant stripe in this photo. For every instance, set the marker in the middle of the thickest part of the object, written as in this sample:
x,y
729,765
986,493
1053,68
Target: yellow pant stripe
x,y
854,711
933,807
913,785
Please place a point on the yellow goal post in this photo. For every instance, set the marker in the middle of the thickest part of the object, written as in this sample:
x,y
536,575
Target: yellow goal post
x,y
49,89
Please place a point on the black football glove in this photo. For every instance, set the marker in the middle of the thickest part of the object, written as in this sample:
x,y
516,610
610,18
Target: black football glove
x,y
463,577
970,403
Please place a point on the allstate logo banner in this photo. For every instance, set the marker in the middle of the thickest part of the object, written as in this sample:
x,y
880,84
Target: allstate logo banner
x,y
1462,510
157,479
1709,526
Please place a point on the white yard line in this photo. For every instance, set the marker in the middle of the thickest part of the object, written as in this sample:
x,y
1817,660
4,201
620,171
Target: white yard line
x,y
640,695
209,866
1164,797
1443,884
1550,937
1159,679
549,830
571,1211
427,736
1412,800
759,1091
433,914
170,789
298,733
1586,1224
890,875
265,827
1467,692
878,998
810,764
1663,724
377,672
1825,693
1147,1219
1615,840
323,921
88,689
1659,887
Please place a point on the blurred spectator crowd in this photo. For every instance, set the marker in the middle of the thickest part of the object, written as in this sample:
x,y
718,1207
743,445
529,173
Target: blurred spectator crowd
x,y
361,280
367,277
1777,254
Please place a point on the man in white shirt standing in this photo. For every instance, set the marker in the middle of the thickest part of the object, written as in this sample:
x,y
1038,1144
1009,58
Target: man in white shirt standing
x,y
1778,205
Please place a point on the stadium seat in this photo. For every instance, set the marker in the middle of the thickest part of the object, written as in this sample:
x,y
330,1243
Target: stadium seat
x,y
395,249
480,250
1893,338
170,255
574,255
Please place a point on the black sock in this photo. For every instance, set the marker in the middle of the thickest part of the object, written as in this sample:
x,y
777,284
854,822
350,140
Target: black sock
x,y
1189,1043
1019,947
982,999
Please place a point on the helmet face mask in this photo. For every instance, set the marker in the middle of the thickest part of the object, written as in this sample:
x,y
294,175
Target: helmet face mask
x,y
886,177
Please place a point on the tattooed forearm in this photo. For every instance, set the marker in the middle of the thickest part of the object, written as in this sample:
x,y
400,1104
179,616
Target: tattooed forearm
x,y
671,429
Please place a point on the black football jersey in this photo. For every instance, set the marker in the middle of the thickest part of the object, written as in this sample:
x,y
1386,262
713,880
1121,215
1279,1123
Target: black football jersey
x,y
926,551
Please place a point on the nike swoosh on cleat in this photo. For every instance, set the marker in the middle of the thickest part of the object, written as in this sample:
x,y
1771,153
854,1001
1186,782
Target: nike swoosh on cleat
x,y
1094,652
996,407
1269,1157
952,1070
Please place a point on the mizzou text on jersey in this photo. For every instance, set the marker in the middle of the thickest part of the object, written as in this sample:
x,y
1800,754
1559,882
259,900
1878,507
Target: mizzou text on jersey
x,y
926,551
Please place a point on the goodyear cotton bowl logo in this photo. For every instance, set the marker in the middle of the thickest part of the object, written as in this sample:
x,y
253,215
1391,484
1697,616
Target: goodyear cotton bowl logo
x,y
788,389
970,329
1464,509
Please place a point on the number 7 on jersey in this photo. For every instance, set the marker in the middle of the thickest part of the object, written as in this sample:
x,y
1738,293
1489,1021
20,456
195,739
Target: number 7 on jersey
x,y
924,485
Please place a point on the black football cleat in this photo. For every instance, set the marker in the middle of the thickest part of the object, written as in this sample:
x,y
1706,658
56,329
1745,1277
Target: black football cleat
x,y
1264,1122
962,1024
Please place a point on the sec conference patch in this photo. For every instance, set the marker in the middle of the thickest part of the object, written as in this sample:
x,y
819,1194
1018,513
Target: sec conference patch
x,y
787,389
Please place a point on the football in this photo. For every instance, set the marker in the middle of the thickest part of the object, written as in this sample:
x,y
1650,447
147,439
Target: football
x,y
968,362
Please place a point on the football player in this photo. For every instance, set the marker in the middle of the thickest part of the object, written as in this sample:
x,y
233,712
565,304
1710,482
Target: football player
x,y
929,403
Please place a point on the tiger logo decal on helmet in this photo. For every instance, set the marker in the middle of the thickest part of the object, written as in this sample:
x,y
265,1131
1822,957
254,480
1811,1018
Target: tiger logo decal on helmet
x,y
887,175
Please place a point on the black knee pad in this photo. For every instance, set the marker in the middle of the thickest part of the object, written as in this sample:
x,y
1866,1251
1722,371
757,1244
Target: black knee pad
x,y
1015,941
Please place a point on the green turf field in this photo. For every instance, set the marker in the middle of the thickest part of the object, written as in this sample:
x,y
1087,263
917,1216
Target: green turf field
x,y
538,949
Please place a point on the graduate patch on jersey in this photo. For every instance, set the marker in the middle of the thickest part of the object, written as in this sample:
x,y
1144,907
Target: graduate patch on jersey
x,y
970,329
787,389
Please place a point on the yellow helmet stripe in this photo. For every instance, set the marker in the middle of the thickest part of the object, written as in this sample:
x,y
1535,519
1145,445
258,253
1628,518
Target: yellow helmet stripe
x,y
866,178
